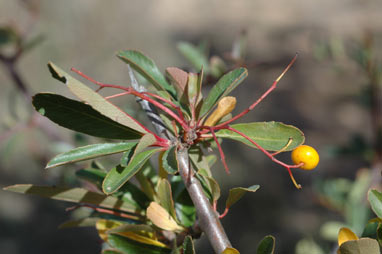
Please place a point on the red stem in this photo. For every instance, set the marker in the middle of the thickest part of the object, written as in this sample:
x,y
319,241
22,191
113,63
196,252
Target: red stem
x,y
130,90
273,86
222,156
107,211
288,167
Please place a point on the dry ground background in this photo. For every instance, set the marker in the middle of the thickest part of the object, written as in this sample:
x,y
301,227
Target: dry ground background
x,y
316,96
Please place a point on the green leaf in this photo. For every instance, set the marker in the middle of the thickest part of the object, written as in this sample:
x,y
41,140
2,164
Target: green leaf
x,y
272,136
170,161
95,100
147,68
370,230
375,200
185,209
361,246
128,192
188,246
119,175
85,222
77,116
165,196
236,194
213,185
129,246
75,195
223,87
90,152
194,55
267,245
199,160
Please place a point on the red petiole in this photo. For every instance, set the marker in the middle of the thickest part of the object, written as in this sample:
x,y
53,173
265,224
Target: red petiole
x,y
130,90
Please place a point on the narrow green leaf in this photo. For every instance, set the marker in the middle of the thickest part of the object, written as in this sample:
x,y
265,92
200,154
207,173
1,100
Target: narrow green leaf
x,y
95,100
375,200
272,136
267,245
90,152
170,161
194,55
185,209
147,68
213,185
129,246
77,116
361,246
75,195
120,175
85,222
223,87
147,178
236,194
188,245
165,196
199,160
128,193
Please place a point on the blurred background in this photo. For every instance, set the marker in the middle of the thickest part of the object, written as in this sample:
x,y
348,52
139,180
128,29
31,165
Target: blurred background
x,y
328,94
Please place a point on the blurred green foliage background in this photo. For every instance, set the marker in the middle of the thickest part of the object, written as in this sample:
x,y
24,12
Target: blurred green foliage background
x,y
322,95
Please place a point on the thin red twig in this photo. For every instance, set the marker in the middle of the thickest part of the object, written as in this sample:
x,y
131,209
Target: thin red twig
x,y
130,90
222,156
273,86
106,211
288,167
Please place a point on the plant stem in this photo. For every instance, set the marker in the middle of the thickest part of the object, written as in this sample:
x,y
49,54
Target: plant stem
x,y
208,219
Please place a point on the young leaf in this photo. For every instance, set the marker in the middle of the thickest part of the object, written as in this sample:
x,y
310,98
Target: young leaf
x,y
272,136
77,116
188,245
95,100
185,209
231,251
90,152
375,200
345,234
267,245
129,246
147,68
169,161
76,195
178,79
120,175
165,196
236,194
161,218
194,55
223,87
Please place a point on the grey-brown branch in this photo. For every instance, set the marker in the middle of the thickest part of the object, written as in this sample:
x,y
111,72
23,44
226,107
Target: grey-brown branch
x,y
207,218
